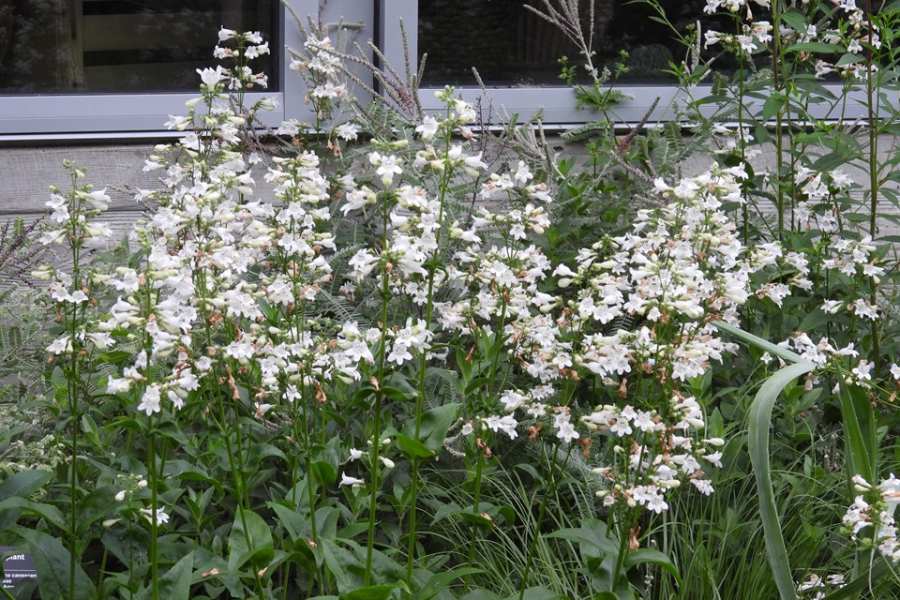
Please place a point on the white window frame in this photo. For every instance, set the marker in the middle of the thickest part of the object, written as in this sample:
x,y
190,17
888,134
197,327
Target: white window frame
x,y
556,104
45,117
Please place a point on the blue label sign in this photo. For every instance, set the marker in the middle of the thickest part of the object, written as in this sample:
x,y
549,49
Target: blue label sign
x,y
17,567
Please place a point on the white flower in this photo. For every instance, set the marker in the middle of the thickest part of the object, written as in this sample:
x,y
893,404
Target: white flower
x,y
386,165
831,306
703,486
651,497
863,371
99,200
347,131
865,310
150,400
227,34
161,516
60,345
507,424
714,458
353,482
117,386
564,429
428,128
211,77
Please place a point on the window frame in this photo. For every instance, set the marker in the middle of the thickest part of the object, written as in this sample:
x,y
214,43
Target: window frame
x,y
100,115
556,104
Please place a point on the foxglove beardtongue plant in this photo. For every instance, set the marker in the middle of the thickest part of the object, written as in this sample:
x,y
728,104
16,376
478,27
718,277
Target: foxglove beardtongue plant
x,y
681,268
189,306
870,520
74,225
235,331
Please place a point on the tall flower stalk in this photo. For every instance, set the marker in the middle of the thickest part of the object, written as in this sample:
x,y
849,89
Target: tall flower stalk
x,y
72,225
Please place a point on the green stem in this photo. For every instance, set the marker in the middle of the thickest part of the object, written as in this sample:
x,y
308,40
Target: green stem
x,y
422,367
235,465
620,559
379,396
778,86
72,387
154,526
742,142
873,170
373,499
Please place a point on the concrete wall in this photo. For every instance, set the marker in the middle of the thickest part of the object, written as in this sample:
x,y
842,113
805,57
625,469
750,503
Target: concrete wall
x,y
27,171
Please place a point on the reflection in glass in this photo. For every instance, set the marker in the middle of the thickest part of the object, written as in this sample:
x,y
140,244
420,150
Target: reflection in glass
x,y
511,46
63,46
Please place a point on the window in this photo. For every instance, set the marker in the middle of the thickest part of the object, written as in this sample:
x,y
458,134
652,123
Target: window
x,y
516,52
120,46
117,68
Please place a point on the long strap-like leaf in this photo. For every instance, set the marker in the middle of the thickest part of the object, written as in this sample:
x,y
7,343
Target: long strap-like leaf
x,y
758,431
760,423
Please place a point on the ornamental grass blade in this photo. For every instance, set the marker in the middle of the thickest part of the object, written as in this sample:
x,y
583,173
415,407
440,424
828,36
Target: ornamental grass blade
x,y
759,342
758,433
760,423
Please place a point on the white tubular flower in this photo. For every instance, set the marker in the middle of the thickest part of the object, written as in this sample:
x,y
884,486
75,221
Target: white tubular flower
x,y
352,482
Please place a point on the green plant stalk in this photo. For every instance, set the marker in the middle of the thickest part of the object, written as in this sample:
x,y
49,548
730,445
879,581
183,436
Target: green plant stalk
x,y
379,397
72,389
742,142
236,468
872,115
422,367
479,466
151,460
154,524
777,82
620,558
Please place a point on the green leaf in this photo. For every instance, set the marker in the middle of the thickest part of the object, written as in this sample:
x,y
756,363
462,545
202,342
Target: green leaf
x,y
176,583
441,581
537,592
291,520
758,437
795,19
412,448
47,511
371,592
773,105
593,533
51,561
481,594
815,48
435,424
325,473
254,544
24,483
653,557
859,431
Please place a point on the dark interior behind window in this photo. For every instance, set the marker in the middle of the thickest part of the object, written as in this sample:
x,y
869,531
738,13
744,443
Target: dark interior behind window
x,y
511,46
120,46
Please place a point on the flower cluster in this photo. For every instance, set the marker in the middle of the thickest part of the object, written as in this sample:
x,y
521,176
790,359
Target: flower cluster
x,y
872,512
814,587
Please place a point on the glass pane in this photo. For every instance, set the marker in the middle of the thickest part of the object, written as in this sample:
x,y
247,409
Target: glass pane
x,y
126,46
511,46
